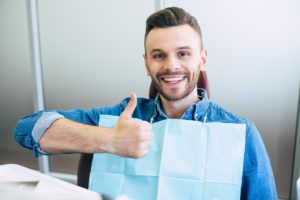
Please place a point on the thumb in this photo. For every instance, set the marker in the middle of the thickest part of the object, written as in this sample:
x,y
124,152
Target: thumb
x,y
127,113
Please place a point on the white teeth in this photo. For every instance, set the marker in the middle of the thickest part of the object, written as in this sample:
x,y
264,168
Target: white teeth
x,y
173,79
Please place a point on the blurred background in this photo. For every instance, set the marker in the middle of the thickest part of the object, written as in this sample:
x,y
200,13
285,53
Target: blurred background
x,y
92,56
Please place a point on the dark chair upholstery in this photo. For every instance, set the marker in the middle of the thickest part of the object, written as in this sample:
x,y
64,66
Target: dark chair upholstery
x,y
85,161
84,169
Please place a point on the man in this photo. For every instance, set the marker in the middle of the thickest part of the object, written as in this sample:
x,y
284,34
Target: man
x,y
174,57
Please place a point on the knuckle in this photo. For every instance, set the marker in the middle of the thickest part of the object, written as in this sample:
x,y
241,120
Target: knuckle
x,y
143,126
140,151
138,136
140,127
147,125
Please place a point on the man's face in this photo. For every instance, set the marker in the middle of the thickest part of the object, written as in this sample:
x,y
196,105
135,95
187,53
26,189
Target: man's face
x,y
174,59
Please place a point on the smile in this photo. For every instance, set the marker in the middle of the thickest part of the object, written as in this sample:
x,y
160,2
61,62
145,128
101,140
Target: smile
x,y
172,79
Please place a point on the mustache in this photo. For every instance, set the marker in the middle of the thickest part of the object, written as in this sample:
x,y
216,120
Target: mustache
x,y
169,72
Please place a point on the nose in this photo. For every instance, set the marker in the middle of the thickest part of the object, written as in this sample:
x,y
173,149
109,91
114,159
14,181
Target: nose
x,y
171,63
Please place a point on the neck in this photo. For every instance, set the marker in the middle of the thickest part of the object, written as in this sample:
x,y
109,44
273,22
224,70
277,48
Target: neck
x,y
175,109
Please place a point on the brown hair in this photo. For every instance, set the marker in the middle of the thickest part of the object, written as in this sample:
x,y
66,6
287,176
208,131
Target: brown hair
x,y
172,16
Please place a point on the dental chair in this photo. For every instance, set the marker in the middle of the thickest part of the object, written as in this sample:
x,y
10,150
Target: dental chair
x,y
85,160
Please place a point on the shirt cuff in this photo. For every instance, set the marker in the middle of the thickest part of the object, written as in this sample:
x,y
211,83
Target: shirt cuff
x,y
42,124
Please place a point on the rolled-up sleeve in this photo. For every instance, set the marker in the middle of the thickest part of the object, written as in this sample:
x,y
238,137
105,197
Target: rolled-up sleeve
x,y
24,128
42,124
258,180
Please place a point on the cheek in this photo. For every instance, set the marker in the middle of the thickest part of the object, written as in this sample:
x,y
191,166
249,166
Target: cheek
x,y
193,65
153,67
195,71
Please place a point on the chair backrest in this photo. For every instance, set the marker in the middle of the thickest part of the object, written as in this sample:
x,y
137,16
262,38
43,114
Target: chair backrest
x,y
85,161
84,169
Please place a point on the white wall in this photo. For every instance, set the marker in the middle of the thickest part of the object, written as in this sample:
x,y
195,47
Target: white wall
x,y
92,51
254,68
92,55
15,74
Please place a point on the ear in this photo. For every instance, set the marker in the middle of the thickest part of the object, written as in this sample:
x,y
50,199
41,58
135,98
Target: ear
x,y
203,57
146,64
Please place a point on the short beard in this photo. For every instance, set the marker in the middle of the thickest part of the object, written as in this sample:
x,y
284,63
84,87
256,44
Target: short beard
x,y
189,87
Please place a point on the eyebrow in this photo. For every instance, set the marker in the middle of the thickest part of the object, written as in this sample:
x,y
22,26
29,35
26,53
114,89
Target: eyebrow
x,y
155,50
184,48
179,48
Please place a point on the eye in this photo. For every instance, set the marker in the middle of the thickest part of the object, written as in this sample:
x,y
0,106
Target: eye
x,y
183,54
158,56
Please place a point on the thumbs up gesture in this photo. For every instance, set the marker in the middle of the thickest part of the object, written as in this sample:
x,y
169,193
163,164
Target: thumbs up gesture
x,y
131,138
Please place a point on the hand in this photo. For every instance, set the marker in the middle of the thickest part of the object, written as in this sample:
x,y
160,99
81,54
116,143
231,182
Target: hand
x,y
131,138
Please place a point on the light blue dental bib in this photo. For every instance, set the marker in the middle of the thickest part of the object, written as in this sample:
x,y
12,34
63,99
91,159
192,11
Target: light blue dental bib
x,y
187,160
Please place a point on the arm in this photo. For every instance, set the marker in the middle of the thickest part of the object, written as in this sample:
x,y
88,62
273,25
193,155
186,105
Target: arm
x,y
128,138
67,136
258,181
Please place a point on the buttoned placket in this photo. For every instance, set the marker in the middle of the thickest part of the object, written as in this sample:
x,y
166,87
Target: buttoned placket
x,y
196,112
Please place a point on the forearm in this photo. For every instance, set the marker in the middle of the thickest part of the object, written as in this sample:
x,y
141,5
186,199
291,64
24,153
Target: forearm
x,y
66,136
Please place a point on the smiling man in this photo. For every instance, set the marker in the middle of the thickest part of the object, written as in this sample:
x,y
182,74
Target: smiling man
x,y
174,62
184,146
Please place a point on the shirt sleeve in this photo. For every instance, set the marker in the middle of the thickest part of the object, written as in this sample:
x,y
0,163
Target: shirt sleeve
x,y
258,180
42,124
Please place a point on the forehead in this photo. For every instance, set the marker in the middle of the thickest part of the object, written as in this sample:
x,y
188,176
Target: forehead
x,y
171,38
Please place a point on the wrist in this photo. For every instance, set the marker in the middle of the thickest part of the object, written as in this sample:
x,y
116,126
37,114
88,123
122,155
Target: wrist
x,y
102,140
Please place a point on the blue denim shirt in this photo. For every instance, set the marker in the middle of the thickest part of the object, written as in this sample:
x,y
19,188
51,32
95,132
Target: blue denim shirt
x,y
258,181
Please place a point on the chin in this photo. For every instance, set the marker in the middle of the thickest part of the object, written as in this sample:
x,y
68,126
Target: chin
x,y
173,97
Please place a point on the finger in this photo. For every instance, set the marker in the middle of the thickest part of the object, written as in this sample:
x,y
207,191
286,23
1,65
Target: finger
x,y
127,113
140,153
144,152
147,136
146,145
146,125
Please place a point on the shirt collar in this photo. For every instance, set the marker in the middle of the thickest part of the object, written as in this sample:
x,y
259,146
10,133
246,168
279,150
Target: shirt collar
x,y
195,112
